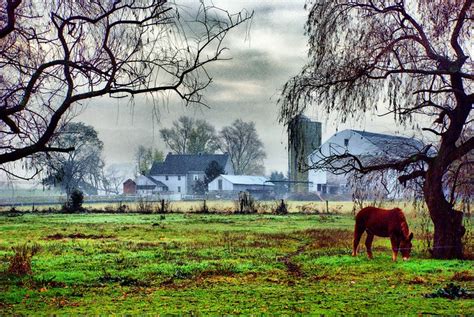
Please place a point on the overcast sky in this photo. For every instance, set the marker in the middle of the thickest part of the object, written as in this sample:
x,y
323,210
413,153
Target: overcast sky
x,y
246,87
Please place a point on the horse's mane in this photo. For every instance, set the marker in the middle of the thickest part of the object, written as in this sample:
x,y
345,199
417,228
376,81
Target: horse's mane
x,y
403,223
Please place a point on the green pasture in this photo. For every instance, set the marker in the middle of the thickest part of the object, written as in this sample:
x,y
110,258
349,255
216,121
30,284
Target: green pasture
x,y
217,264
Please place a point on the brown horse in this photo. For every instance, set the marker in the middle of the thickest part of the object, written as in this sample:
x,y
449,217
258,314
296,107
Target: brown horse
x,y
383,223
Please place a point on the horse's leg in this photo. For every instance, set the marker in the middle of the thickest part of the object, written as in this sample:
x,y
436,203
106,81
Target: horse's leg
x,y
395,246
358,231
368,244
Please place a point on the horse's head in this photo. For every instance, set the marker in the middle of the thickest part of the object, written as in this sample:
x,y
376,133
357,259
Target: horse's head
x,y
405,246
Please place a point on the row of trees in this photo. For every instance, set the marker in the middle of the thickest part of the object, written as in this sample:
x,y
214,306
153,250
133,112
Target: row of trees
x,y
240,140
84,168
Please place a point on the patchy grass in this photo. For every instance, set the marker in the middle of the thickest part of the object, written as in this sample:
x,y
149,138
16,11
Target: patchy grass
x,y
216,264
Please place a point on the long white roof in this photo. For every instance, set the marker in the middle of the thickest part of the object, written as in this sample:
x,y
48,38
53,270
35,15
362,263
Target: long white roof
x,y
247,180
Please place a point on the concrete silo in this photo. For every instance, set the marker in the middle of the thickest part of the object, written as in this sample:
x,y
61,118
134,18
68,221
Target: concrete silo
x,y
304,136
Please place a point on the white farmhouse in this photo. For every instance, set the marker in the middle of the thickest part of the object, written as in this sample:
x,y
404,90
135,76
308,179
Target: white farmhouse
x,y
231,185
361,144
180,172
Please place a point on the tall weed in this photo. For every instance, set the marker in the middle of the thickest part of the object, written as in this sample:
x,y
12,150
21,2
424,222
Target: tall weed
x,y
20,262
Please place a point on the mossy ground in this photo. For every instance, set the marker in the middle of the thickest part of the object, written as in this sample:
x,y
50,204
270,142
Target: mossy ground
x,y
226,264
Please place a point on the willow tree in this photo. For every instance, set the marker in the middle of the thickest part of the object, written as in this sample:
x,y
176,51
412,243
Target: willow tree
x,y
57,54
414,56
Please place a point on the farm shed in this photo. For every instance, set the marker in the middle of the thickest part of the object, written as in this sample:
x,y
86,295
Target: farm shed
x,y
129,187
233,184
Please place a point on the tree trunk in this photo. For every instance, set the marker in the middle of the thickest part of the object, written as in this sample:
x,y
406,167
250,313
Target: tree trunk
x,y
448,232
448,228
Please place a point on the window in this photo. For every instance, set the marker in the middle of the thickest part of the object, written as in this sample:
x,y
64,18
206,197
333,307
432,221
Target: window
x,y
196,177
319,187
219,184
166,177
346,142
179,189
179,178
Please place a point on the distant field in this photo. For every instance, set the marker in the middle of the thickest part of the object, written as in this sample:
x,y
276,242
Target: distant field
x,y
217,264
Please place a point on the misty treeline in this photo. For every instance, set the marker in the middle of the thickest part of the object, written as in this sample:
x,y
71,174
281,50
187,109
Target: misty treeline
x,y
196,136
55,55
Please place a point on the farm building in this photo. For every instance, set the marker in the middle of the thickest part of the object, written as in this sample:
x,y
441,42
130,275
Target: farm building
x,y
180,172
231,185
147,185
129,187
360,143
304,137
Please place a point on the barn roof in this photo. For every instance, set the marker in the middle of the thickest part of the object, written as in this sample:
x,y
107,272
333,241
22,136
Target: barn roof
x,y
180,164
247,180
393,145
128,181
156,182
143,180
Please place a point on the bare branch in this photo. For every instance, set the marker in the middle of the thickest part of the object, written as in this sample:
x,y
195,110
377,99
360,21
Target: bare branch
x,y
9,26
86,49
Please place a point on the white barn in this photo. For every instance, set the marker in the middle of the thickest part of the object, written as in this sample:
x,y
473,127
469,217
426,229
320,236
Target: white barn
x,y
358,143
233,184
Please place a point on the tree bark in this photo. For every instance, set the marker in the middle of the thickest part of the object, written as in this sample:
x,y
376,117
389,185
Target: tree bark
x,y
448,233
448,228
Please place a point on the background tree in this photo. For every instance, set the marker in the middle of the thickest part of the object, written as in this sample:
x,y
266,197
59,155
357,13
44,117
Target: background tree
x,y
78,169
413,56
280,188
241,142
144,158
56,54
212,171
112,179
190,136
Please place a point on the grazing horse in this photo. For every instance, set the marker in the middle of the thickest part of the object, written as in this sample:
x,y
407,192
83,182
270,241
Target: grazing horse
x,y
383,223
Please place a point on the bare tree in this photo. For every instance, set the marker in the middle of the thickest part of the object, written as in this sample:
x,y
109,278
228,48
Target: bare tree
x,y
412,55
190,136
144,158
57,54
240,140
112,179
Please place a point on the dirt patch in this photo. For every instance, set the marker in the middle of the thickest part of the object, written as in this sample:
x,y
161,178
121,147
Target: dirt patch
x,y
60,236
464,276
328,238
318,239
277,236
293,268
417,280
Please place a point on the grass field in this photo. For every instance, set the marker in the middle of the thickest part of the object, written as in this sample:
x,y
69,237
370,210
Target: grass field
x,y
216,264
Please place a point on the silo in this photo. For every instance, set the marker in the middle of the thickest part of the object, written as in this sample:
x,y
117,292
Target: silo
x,y
304,136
